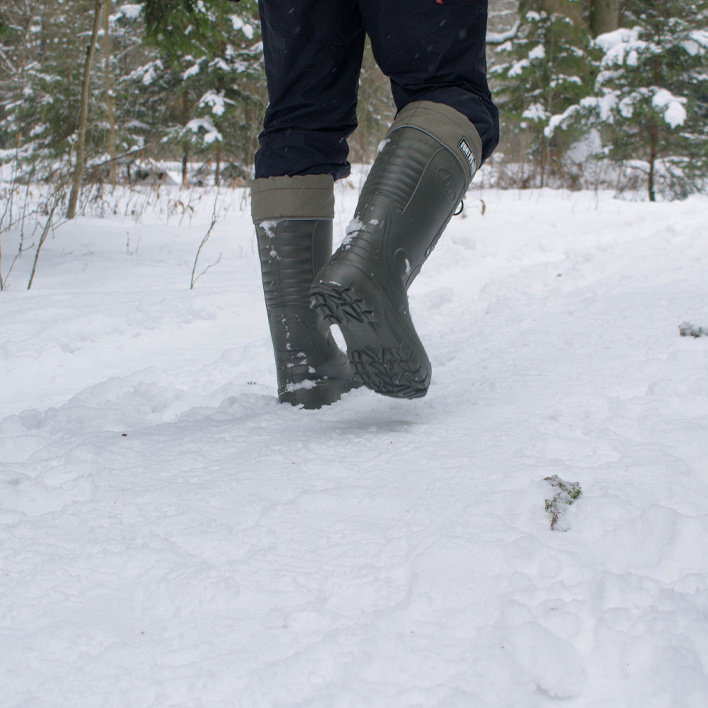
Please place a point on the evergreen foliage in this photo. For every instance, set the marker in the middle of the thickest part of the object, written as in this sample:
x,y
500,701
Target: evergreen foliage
x,y
187,82
651,95
545,68
203,86
41,97
185,75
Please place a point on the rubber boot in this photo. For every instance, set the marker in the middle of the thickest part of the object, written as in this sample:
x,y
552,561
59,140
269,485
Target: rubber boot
x,y
293,219
419,177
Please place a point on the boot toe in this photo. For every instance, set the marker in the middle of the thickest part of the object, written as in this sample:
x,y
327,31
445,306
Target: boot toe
x,y
313,394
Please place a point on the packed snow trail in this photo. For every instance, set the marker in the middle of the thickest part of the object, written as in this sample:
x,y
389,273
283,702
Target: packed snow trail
x,y
171,536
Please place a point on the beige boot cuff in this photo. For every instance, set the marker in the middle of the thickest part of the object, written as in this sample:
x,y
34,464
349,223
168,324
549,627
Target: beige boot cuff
x,y
448,127
299,197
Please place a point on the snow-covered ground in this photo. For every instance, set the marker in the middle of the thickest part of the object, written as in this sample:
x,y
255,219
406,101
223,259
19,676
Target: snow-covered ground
x,y
171,536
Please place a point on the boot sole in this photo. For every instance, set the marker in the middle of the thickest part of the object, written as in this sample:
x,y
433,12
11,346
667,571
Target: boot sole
x,y
386,355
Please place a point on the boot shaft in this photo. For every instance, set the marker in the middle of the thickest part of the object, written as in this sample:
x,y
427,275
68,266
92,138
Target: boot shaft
x,y
293,220
426,163
291,252
413,189
419,177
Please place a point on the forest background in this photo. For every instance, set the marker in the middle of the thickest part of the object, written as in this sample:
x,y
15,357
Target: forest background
x,y
592,93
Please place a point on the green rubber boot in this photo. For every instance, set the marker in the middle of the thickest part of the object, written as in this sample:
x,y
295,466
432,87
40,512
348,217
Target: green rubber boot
x,y
293,219
428,159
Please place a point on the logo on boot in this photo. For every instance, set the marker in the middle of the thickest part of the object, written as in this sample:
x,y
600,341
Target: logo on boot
x,y
469,155
447,183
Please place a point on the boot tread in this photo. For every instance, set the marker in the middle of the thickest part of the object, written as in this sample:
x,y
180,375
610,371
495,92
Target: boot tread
x,y
387,358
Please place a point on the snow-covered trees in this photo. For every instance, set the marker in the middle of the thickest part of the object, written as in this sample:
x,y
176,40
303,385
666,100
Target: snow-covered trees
x,y
169,76
630,78
650,100
184,80
43,52
206,84
543,69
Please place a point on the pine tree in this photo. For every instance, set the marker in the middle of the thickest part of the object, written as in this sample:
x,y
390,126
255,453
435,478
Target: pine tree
x,y
41,106
544,69
205,83
229,84
651,97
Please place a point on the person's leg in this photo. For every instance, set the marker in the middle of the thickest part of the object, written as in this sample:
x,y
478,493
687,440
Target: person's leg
x,y
445,127
312,51
436,52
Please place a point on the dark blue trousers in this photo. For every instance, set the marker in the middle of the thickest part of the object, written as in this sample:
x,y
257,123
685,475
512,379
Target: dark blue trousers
x,y
432,50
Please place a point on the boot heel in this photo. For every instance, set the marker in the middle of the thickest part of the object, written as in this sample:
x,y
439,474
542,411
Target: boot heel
x,y
391,372
385,353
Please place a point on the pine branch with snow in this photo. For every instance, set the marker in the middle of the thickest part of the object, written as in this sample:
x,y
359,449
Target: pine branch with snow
x,y
650,96
543,68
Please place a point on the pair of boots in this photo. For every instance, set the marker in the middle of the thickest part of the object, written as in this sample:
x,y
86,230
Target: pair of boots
x,y
419,177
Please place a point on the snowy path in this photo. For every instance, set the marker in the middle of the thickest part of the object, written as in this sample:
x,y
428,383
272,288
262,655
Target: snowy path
x,y
170,536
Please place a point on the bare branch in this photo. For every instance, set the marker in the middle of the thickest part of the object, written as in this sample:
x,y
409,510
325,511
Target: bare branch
x,y
130,153
211,265
214,218
58,196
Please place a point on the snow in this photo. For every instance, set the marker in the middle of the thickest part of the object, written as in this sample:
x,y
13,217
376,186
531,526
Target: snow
x,y
700,37
605,104
211,132
519,67
131,11
269,227
148,73
621,47
674,112
627,103
502,38
353,226
171,536
239,24
216,101
590,144
535,112
610,41
192,71
537,53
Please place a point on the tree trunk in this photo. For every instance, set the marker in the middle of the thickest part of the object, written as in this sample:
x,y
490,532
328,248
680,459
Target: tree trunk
x,y
604,16
220,40
185,164
83,115
653,144
70,125
654,131
185,120
568,8
110,100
